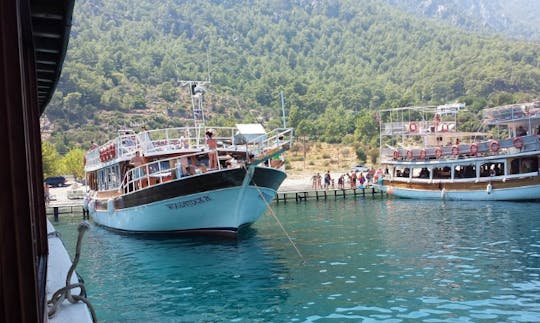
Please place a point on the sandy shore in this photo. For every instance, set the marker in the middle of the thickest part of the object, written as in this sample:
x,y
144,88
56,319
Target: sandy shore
x,y
302,181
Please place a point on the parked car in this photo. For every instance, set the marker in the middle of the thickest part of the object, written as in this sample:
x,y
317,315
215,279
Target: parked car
x,y
360,168
56,181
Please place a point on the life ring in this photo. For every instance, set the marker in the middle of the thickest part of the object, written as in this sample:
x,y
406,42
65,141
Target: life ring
x,y
444,127
396,154
410,154
518,142
423,154
413,127
494,146
455,150
473,149
438,152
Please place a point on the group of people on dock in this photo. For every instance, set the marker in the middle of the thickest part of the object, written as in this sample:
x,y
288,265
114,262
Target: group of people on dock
x,y
352,179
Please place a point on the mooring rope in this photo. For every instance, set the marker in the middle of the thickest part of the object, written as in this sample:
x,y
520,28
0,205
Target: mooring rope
x,y
276,218
65,292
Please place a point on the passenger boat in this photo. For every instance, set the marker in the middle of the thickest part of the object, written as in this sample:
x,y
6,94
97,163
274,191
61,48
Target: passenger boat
x,y
424,156
180,184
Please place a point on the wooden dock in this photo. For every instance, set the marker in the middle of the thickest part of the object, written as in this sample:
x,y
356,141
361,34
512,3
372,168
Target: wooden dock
x,y
65,208
322,194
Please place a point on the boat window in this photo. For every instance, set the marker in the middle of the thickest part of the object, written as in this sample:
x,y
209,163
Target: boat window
x,y
109,178
524,165
465,171
491,169
402,171
441,172
420,172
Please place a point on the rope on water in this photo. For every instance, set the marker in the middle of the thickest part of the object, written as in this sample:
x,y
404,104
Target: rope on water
x,y
65,292
277,219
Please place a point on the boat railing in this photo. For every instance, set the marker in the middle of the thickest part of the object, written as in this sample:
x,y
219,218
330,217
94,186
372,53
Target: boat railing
x,y
183,139
279,139
417,128
481,148
164,170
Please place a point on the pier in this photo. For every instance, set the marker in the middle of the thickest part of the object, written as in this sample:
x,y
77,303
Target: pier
x,y
324,194
66,208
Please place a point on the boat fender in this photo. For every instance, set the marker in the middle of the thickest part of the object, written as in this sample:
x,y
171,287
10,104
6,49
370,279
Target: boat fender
x,y
443,194
504,180
473,149
489,188
455,150
494,146
113,151
518,142
389,191
110,205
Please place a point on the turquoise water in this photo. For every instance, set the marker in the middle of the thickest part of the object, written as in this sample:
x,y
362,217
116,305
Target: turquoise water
x,y
362,260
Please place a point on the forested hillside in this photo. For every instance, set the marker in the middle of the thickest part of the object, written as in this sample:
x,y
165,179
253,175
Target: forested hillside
x,y
512,18
335,61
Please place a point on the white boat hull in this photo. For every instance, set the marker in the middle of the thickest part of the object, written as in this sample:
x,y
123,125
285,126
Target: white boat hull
x,y
224,209
522,193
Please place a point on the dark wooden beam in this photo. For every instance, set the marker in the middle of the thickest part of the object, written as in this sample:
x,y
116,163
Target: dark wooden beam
x,y
23,245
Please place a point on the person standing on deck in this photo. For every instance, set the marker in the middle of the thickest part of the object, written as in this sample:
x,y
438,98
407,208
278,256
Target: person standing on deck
x,y
212,145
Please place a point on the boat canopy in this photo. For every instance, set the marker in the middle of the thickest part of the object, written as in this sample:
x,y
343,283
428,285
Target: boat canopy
x,y
249,132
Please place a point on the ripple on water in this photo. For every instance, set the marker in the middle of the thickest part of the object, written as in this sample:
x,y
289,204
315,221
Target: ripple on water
x,y
363,260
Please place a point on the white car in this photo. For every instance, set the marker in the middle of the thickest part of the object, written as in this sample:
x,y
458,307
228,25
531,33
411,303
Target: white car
x,y
360,168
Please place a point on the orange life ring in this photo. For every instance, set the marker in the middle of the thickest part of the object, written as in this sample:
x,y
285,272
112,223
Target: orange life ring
x,y
413,127
410,154
494,146
438,152
444,127
455,150
396,154
518,142
423,154
473,149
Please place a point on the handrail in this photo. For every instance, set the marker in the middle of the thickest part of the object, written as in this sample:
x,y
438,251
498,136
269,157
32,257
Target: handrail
x,y
483,148
154,173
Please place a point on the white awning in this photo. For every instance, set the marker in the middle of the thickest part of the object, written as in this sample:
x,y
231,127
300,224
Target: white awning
x,y
250,129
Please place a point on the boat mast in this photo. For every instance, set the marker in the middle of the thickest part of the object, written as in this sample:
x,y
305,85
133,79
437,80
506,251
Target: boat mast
x,y
197,91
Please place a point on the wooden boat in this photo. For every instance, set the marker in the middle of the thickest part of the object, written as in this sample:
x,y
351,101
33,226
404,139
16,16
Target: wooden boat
x,y
181,182
426,157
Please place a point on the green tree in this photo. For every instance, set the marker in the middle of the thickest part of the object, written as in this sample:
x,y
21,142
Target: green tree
x,y
51,159
73,163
